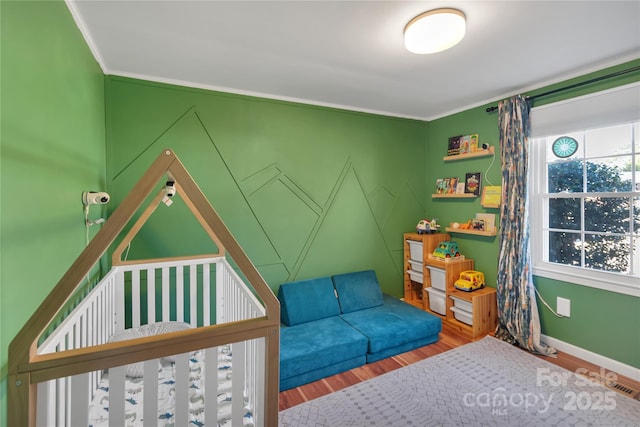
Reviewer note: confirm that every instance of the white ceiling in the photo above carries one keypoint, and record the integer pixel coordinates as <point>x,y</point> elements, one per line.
<point>350,54</point>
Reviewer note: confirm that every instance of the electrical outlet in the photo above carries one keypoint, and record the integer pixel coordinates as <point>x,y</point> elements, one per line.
<point>563,307</point>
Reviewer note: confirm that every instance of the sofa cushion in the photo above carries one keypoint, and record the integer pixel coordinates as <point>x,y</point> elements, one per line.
<point>317,374</point>
<point>393,324</point>
<point>357,291</point>
<point>307,300</point>
<point>316,345</point>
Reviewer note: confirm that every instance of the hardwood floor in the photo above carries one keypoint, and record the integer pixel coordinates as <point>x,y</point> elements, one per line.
<point>449,339</point>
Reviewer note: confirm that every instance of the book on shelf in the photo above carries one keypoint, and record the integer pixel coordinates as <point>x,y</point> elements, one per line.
<point>452,185</point>
<point>449,185</point>
<point>491,196</point>
<point>453,147</point>
<point>473,183</point>
<point>489,221</point>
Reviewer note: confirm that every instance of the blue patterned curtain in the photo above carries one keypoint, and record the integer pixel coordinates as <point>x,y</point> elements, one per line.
<point>517,308</point>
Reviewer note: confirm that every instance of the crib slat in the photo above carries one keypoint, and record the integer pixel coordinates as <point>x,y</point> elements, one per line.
<point>206,295</point>
<point>63,401</point>
<point>193,295</point>
<point>60,391</point>
<point>46,404</point>
<point>79,331</point>
<point>135,298</point>
<point>211,384</point>
<point>165,294</point>
<point>151,295</point>
<point>91,322</point>
<point>182,389</point>
<point>220,294</point>
<point>118,302</point>
<point>179,294</point>
<point>116,396</point>
<point>90,333</point>
<point>97,330</point>
<point>80,397</point>
<point>237,400</point>
<point>258,385</point>
<point>150,393</point>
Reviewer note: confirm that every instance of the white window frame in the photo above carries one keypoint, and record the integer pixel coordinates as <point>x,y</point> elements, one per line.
<point>609,281</point>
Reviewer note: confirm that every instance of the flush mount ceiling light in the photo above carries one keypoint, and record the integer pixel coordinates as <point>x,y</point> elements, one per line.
<point>434,31</point>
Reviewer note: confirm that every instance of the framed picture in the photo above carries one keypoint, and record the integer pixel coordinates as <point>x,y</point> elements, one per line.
<point>488,219</point>
<point>477,224</point>
<point>473,183</point>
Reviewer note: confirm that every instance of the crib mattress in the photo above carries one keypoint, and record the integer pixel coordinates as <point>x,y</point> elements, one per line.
<point>99,409</point>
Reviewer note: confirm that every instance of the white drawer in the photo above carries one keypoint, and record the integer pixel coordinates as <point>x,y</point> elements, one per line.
<point>416,276</point>
<point>415,249</point>
<point>438,278</point>
<point>437,301</point>
<point>462,315</point>
<point>462,304</point>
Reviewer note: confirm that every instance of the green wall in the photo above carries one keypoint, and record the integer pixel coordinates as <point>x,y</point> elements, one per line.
<point>307,191</point>
<point>600,321</point>
<point>52,142</point>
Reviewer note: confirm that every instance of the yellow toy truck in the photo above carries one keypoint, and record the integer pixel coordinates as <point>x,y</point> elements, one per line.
<point>470,280</point>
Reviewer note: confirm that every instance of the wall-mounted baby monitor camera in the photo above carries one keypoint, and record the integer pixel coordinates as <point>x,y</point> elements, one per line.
<point>170,189</point>
<point>169,192</point>
<point>95,198</point>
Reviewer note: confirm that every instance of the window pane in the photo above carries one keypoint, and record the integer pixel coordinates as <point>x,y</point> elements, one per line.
<point>565,177</point>
<point>564,214</point>
<point>607,214</point>
<point>608,253</point>
<point>564,248</point>
<point>607,141</point>
<point>605,175</point>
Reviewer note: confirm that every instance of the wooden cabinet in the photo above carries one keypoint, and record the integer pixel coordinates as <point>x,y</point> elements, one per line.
<point>479,308</point>
<point>422,272</point>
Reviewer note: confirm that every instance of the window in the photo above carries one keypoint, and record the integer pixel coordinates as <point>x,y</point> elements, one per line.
<point>585,204</point>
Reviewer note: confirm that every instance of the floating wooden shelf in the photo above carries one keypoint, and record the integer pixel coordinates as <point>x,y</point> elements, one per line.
<point>454,196</point>
<point>476,232</point>
<point>480,153</point>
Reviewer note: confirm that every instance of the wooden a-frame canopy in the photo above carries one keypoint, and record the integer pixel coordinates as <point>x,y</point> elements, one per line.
<point>27,368</point>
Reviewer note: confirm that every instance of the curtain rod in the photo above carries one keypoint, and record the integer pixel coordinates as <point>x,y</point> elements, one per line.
<point>586,82</point>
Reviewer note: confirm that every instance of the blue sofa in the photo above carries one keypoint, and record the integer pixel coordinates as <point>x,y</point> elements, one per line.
<point>333,324</point>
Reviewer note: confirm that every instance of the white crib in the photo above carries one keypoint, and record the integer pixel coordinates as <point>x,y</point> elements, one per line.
<point>56,382</point>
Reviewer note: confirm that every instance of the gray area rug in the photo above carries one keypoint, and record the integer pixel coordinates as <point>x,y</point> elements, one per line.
<point>485,383</point>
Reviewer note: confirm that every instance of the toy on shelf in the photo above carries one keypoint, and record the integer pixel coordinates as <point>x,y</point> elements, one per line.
<point>472,224</point>
<point>427,227</point>
<point>447,249</point>
<point>470,280</point>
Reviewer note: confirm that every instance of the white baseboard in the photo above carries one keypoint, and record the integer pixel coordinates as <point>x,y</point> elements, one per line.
<point>589,356</point>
